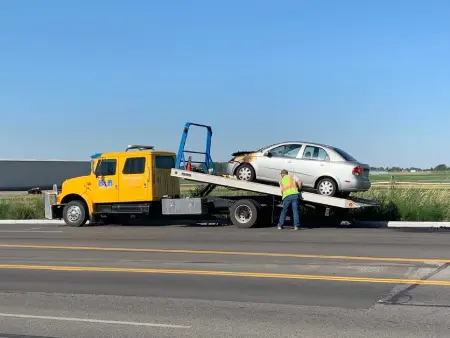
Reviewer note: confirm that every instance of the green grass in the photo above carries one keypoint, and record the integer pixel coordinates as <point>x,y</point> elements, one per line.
<point>22,207</point>
<point>407,205</point>
<point>420,177</point>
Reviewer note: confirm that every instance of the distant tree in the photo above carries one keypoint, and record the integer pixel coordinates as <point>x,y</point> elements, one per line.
<point>441,167</point>
<point>415,169</point>
<point>395,169</point>
<point>377,169</point>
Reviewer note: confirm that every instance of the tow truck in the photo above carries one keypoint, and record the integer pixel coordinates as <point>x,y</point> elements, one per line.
<point>142,182</point>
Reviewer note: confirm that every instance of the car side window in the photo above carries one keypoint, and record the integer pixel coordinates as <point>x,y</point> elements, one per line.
<point>286,150</point>
<point>106,168</point>
<point>315,153</point>
<point>134,165</point>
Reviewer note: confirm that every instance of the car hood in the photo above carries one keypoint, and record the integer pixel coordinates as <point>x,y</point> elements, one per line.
<point>243,152</point>
<point>244,156</point>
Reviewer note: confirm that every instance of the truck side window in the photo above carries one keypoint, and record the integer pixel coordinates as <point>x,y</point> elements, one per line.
<point>164,162</point>
<point>134,165</point>
<point>106,168</point>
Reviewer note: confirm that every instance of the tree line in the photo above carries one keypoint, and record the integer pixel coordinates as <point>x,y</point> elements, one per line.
<point>440,167</point>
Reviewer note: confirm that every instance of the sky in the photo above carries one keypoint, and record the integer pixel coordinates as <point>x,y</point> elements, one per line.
<point>370,77</point>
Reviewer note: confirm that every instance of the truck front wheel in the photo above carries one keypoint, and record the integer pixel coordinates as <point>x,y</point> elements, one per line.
<point>244,213</point>
<point>74,214</point>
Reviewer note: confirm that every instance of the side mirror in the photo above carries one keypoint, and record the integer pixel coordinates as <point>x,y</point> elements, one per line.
<point>268,154</point>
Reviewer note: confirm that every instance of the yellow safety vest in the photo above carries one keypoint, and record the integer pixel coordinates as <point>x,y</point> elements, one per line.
<point>288,186</point>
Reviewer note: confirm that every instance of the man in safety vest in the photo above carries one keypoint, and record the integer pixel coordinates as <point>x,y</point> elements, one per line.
<point>290,187</point>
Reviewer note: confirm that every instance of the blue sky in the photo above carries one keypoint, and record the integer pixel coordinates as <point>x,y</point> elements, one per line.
<point>371,77</point>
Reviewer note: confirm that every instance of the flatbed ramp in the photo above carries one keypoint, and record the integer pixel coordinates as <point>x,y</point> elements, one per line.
<point>349,203</point>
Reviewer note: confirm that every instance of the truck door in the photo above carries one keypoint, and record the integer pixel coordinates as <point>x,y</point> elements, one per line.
<point>105,189</point>
<point>134,179</point>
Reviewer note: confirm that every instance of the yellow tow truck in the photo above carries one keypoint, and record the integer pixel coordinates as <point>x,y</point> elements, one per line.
<point>143,182</point>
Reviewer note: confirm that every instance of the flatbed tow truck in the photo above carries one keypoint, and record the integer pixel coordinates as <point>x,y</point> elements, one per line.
<point>146,184</point>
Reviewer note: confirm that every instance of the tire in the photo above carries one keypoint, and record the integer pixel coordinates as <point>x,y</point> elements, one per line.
<point>244,214</point>
<point>245,172</point>
<point>74,214</point>
<point>327,187</point>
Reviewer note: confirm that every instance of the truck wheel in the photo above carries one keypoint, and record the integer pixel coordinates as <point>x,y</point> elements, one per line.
<point>74,214</point>
<point>244,213</point>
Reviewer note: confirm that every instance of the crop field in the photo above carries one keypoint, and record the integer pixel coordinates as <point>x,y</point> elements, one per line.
<point>420,177</point>
<point>422,180</point>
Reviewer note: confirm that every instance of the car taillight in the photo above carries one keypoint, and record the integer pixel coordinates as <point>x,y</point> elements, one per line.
<point>357,170</point>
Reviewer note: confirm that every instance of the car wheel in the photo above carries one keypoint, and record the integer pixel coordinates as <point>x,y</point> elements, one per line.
<point>327,187</point>
<point>245,172</point>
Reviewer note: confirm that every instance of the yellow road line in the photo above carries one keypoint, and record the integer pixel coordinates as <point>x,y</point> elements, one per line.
<point>235,253</point>
<point>226,273</point>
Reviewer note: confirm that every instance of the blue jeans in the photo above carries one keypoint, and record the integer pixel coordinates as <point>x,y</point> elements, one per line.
<point>290,200</point>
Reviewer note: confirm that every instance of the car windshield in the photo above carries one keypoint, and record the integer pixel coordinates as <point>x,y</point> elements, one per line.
<point>263,148</point>
<point>345,155</point>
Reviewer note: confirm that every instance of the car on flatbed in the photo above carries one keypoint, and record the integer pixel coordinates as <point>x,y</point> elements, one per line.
<point>327,170</point>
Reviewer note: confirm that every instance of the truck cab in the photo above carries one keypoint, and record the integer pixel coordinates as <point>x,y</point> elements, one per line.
<point>129,182</point>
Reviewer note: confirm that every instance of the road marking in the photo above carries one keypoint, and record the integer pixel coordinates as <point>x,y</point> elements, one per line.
<point>101,321</point>
<point>235,253</point>
<point>226,273</point>
<point>31,231</point>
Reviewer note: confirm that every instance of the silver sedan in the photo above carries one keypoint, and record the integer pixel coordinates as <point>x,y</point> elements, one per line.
<point>328,170</point>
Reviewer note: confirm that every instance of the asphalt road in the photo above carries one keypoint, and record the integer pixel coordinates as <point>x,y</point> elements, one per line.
<point>205,281</point>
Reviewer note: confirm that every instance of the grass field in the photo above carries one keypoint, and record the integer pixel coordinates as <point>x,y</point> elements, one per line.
<point>22,207</point>
<point>421,177</point>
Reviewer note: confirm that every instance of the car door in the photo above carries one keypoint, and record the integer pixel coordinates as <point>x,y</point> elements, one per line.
<point>134,179</point>
<point>106,188</point>
<point>278,158</point>
<point>313,162</point>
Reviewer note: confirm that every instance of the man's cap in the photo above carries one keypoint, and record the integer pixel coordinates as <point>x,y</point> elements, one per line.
<point>284,172</point>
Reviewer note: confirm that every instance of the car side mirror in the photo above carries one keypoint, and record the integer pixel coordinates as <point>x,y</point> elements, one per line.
<point>268,154</point>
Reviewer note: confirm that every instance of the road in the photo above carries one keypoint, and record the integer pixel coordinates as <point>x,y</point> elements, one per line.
<point>213,281</point>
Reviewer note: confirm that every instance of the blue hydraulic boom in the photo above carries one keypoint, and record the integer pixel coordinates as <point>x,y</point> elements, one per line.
<point>207,164</point>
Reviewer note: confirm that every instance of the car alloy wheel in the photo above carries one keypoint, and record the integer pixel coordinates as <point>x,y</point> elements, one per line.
<point>244,174</point>
<point>326,188</point>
